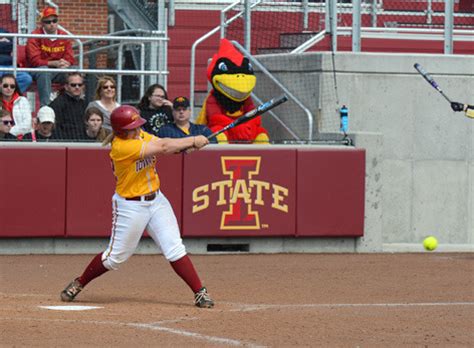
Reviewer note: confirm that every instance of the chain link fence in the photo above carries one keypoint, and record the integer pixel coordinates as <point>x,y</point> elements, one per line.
<point>18,16</point>
<point>284,26</point>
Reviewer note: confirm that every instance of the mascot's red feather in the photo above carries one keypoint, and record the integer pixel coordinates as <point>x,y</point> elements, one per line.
<point>232,79</point>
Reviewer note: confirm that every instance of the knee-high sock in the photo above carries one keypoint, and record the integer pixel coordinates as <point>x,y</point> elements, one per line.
<point>185,269</point>
<point>93,270</point>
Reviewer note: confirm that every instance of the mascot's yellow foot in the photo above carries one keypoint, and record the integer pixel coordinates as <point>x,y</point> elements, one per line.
<point>222,139</point>
<point>262,138</point>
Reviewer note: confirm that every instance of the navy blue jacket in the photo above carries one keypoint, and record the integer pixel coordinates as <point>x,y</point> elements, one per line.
<point>173,131</point>
<point>5,50</point>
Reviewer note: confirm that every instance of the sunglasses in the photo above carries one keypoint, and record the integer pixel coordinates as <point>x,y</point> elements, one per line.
<point>108,87</point>
<point>7,85</point>
<point>76,85</point>
<point>6,123</point>
<point>50,21</point>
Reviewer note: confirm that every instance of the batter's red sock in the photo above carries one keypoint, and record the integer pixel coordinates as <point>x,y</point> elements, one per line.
<point>185,269</point>
<point>93,270</point>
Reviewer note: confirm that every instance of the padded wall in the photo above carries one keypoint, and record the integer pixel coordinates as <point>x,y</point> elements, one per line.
<point>228,192</point>
<point>33,192</point>
<point>237,193</point>
<point>331,193</point>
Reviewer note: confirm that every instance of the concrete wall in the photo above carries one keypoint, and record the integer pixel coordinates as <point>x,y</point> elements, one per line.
<point>427,175</point>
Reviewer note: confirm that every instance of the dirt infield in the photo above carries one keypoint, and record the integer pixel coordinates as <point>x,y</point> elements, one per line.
<point>319,300</point>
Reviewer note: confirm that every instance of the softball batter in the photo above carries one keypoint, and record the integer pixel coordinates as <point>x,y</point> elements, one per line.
<point>138,204</point>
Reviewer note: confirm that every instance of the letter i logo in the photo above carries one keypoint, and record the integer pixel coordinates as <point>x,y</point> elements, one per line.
<point>240,214</point>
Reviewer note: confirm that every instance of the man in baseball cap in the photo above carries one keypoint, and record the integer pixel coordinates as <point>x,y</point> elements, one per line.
<point>49,53</point>
<point>181,102</point>
<point>48,12</point>
<point>182,126</point>
<point>45,130</point>
<point>46,114</point>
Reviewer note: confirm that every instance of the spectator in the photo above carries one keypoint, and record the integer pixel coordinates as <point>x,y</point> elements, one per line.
<point>48,53</point>
<point>6,124</point>
<point>94,119</point>
<point>45,131</point>
<point>105,98</point>
<point>6,47</point>
<point>18,106</point>
<point>182,127</point>
<point>155,108</point>
<point>69,108</point>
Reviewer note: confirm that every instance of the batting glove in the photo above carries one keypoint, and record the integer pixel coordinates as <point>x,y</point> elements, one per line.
<point>457,106</point>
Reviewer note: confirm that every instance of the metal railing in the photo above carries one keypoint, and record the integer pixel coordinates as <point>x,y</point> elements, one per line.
<point>375,10</point>
<point>224,23</point>
<point>122,41</point>
<point>290,95</point>
<point>222,29</point>
<point>79,43</point>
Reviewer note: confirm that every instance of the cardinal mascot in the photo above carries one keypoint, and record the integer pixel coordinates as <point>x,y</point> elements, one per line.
<point>232,79</point>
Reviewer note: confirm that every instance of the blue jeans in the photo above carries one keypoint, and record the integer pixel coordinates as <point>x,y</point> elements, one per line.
<point>23,78</point>
<point>43,83</point>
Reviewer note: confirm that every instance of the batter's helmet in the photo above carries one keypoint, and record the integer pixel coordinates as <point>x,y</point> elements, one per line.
<point>125,117</point>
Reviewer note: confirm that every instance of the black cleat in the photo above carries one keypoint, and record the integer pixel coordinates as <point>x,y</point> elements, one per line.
<point>202,299</point>
<point>71,291</point>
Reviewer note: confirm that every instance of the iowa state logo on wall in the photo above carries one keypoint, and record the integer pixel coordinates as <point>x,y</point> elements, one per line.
<point>239,192</point>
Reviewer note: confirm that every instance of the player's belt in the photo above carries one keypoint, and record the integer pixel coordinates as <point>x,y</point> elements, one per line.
<point>148,197</point>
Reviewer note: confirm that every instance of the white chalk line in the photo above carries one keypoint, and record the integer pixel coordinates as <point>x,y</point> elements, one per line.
<point>257,307</point>
<point>151,326</point>
<point>3,294</point>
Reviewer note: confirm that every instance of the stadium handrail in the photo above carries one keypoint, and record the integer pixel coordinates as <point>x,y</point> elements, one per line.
<point>290,95</point>
<point>122,40</point>
<point>221,27</point>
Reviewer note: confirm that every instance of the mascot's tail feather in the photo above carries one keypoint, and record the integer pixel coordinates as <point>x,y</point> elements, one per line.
<point>262,138</point>
<point>202,118</point>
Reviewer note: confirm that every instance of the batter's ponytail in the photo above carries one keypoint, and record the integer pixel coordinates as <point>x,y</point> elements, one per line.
<point>108,139</point>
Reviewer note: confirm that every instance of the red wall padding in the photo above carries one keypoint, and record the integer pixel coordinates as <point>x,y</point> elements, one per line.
<point>51,192</point>
<point>91,185</point>
<point>237,210</point>
<point>331,187</point>
<point>33,192</point>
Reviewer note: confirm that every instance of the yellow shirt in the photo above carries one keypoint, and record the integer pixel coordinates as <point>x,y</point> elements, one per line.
<point>185,130</point>
<point>470,111</point>
<point>135,175</point>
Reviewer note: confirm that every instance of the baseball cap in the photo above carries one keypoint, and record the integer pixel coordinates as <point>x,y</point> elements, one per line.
<point>181,102</point>
<point>48,12</point>
<point>46,114</point>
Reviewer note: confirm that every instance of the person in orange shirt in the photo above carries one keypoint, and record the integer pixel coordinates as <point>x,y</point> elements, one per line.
<point>49,53</point>
<point>139,204</point>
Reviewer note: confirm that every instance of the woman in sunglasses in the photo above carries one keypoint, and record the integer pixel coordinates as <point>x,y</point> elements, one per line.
<point>19,107</point>
<point>6,124</point>
<point>105,98</point>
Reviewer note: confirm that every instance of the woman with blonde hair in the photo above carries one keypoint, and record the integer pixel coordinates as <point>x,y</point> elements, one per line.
<point>94,120</point>
<point>105,99</point>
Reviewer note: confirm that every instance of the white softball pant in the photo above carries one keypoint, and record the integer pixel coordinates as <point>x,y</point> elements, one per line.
<point>131,218</point>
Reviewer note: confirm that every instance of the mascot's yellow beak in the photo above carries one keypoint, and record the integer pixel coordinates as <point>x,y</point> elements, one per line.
<point>236,87</point>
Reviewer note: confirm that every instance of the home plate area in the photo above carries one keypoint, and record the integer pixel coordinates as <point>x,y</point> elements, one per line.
<point>261,300</point>
<point>69,308</point>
